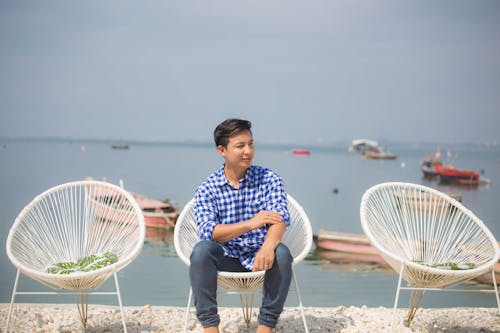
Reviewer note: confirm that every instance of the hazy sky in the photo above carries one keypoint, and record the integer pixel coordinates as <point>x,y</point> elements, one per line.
<point>302,71</point>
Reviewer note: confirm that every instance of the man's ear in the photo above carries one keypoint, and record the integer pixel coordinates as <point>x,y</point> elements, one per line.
<point>221,149</point>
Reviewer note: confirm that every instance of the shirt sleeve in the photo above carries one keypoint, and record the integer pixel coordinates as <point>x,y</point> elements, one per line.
<point>205,211</point>
<point>278,199</point>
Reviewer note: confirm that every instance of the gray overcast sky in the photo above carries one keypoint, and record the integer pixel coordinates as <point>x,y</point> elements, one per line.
<point>302,71</point>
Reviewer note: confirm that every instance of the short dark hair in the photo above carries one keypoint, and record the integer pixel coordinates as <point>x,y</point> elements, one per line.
<point>228,128</point>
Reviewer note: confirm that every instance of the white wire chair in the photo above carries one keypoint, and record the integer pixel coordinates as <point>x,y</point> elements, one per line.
<point>432,240</point>
<point>298,238</point>
<point>73,221</point>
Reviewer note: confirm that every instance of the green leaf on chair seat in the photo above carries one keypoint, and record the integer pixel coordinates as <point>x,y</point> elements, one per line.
<point>448,265</point>
<point>85,264</point>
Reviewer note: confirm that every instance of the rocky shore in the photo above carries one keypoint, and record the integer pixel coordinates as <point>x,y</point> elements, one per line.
<point>65,318</point>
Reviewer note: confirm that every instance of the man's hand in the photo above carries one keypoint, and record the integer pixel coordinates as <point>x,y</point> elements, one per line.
<point>264,258</point>
<point>264,217</point>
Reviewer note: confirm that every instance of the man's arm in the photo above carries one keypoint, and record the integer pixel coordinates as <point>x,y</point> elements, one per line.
<point>264,258</point>
<point>225,232</point>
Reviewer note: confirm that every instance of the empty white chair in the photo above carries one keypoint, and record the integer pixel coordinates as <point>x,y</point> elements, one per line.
<point>298,238</point>
<point>429,238</point>
<point>74,237</point>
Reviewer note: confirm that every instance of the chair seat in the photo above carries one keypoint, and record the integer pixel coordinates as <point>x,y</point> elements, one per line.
<point>241,281</point>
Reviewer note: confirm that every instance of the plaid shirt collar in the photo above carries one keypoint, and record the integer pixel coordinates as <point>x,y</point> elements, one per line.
<point>221,179</point>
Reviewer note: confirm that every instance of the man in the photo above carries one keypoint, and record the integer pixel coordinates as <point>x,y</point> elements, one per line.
<point>241,214</point>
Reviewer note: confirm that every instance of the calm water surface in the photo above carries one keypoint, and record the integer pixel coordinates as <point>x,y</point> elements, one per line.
<point>173,171</point>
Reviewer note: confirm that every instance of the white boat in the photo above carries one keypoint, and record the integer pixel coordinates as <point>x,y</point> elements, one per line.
<point>379,154</point>
<point>362,145</point>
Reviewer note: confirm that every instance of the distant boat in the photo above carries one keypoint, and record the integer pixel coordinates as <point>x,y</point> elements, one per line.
<point>301,152</point>
<point>362,145</point>
<point>379,154</point>
<point>428,164</point>
<point>371,150</point>
<point>119,146</point>
<point>432,167</point>
<point>428,167</point>
<point>450,174</point>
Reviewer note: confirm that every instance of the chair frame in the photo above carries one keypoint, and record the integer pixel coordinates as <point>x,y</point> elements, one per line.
<point>246,283</point>
<point>78,283</point>
<point>416,201</point>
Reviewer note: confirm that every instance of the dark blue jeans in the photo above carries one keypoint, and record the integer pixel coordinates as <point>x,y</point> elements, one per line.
<point>208,258</point>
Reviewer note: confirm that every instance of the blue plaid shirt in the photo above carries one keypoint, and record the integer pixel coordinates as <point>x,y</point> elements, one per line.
<point>218,202</point>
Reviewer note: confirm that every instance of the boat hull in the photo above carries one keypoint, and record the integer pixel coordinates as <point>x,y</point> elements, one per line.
<point>449,174</point>
<point>160,220</point>
<point>341,246</point>
<point>371,155</point>
<point>351,258</point>
<point>428,167</point>
<point>488,278</point>
<point>157,214</point>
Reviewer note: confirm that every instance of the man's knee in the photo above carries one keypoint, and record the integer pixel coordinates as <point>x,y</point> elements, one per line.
<point>283,255</point>
<point>203,250</point>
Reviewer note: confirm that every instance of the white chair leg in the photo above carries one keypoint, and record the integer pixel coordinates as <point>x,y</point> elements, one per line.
<point>396,300</point>
<point>494,280</point>
<point>186,315</point>
<point>301,307</point>
<point>14,291</point>
<point>120,302</point>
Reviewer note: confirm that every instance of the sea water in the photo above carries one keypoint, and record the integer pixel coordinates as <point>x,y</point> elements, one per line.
<point>329,184</point>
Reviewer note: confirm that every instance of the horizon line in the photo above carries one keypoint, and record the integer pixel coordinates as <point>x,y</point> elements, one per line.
<point>323,143</point>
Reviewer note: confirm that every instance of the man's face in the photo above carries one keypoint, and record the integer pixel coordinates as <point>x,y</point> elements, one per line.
<point>239,151</point>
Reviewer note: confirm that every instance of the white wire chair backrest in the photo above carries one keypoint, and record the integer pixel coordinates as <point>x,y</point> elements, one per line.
<point>298,236</point>
<point>71,221</point>
<point>416,224</point>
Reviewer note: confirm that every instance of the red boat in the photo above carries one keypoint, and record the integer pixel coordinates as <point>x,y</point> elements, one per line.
<point>158,214</point>
<point>300,152</point>
<point>449,174</point>
<point>428,164</point>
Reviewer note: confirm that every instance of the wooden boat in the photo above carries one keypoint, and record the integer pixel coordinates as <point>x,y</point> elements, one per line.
<point>157,214</point>
<point>347,243</point>
<point>487,278</point>
<point>301,152</point>
<point>349,247</point>
<point>350,258</point>
<point>424,201</point>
